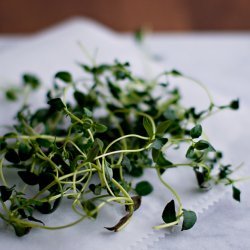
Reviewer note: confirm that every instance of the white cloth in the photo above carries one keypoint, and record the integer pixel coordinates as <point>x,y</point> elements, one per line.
<point>57,49</point>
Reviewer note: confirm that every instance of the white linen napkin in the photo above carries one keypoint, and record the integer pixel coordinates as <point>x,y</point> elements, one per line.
<point>57,49</point>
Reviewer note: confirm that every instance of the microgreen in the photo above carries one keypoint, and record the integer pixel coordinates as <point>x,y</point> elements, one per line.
<point>65,151</point>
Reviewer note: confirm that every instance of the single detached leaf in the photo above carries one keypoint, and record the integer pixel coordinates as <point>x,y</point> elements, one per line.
<point>121,223</point>
<point>196,131</point>
<point>169,214</point>
<point>11,95</point>
<point>31,80</point>
<point>28,177</point>
<point>12,156</point>
<point>148,126</point>
<point>64,76</point>
<point>189,219</point>
<point>56,104</point>
<point>236,193</point>
<point>143,188</point>
<point>235,104</point>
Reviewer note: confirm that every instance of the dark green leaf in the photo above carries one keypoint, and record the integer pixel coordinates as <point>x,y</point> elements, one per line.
<point>159,158</point>
<point>21,230</point>
<point>46,208</point>
<point>56,104</point>
<point>11,95</point>
<point>175,72</point>
<point>24,152</point>
<point>169,214</point>
<point>31,218</point>
<point>190,153</point>
<point>189,219</point>
<point>159,143</point>
<point>196,131</point>
<point>5,193</point>
<point>89,208</point>
<point>28,177</point>
<point>64,76</point>
<point>31,80</point>
<point>12,156</point>
<point>3,145</point>
<point>148,126</point>
<point>143,188</point>
<point>235,104</point>
<point>43,142</point>
<point>96,189</point>
<point>236,193</point>
<point>202,144</point>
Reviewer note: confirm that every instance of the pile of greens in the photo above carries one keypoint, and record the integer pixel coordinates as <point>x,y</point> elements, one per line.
<point>89,150</point>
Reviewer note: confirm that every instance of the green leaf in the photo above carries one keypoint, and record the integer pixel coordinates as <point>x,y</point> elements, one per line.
<point>169,214</point>
<point>3,144</point>
<point>108,171</point>
<point>93,152</point>
<point>159,143</point>
<point>236,193</point>
<point>24,152</point>
<point>189,219</point>
<point>100,128</point>
<point>5,193</point>
<point>43,142</point>
<point>190,153</point>
<point>31,80</point>
<point>56,104</point>
<point>12,156</point>
<point>46,208</point>
<point>235,104</point>
<point>202,144</point>
<point>88,207</point>
<point>64,76</point>
<point>11,95</point>
<point>148,126</point>
<point>143,188</point>
<point>28,177</point>
<point>163,127</point>
<point>114,90</point>
<point>196,131</point>
<point>159,158</point>
<point>20,230</point>
<point>175,72</point>
<point>96,189</point>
